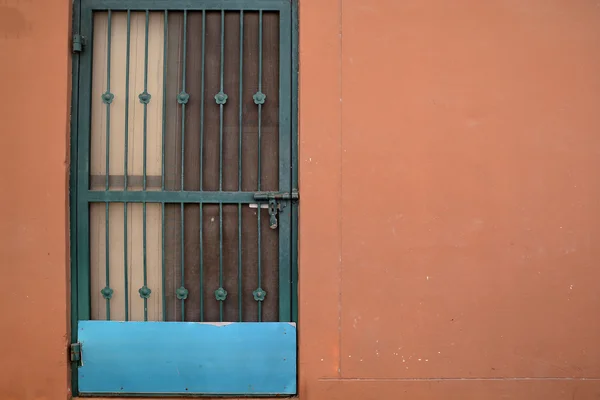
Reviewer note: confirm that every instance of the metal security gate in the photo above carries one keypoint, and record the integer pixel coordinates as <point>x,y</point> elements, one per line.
<point>185,200</point>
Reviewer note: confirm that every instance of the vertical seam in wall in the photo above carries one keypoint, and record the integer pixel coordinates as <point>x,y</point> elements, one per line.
<point>340,201</point>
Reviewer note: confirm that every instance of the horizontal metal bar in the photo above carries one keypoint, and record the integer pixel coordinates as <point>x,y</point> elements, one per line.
<point>236,5</point>
<point>168,197</point>
<point>118,181</point>
<point>265,196</point>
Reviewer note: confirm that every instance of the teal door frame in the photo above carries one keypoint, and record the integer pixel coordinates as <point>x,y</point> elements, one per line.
<point>81,197</point>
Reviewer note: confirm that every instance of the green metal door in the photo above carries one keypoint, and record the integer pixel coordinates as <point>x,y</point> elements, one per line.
<point>184,197</point>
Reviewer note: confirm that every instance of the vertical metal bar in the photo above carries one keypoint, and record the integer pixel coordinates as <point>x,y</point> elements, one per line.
<point>108,99</point>
<point>127,57</point>
<point>126,262</point>
<point>240,117</point>
<point>184,61</point>
<point>183,90</point>
<point>107,260</point>
<point>125,165</point>
<point>201,265</point>
<point>182,262</point>
<point>285,262</point>
<point>164,108</point>
<point>73,206</point>
<point>221,258</point>
<point>285,165</point>
<point>202,166</point>
<point>221,104</point>
<point>202,104</point>
<point>259,247</point>
<point>145,103</point>
<point>83,172</point>
<point>294,155</point>
<point>241,113</point>
<point>107,267</point>
<point>162,243</point>
<point>240,287</point>
<point>260,55</point>
<point>162,170</point>
<point>294,262</point>
<point>145,264</point>
<point>107,154</point>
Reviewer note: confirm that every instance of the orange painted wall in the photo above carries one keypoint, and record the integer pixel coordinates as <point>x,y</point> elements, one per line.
<point>35,91</point>
<point>449,181</point>
<point>449,199</point>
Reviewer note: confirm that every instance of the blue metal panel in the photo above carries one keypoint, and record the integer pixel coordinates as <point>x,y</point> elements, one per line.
<point>187,358</point>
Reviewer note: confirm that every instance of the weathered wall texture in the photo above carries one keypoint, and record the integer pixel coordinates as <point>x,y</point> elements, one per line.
<point>449,214</point>
<point>35,74</point>
<point>449,181</point>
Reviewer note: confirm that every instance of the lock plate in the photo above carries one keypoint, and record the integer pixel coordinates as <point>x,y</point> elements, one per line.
<point>276,201</point>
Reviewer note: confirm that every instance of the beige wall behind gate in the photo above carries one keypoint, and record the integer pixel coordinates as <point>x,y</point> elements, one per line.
<point>449,199</point>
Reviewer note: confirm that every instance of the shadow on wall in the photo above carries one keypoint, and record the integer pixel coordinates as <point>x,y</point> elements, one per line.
<point>13,24</point>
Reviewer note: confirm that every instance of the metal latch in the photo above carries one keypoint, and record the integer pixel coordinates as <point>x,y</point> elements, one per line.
<point>76,352</point>
<point>274,200</point>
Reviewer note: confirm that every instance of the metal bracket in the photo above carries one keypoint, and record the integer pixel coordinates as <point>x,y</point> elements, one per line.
<point>76,352</point>
<point>78,43</point>
<point>275,200</point>
<point>274,208</point>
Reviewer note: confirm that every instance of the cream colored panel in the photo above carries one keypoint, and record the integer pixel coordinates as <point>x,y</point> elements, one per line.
<point>154,117</point>
<point>116,109</point>
<point>153,261</point>
<point>156,35</point>
<point>116,256</point>
<point>118,62</point>
<point>116,304</point>
<point>136,109</point>
<point>97,260</point>
<point>154,253</point>
<point>135,124</point>
<point>135,261</point>
<point>153,160</point>
<point>98,123</point>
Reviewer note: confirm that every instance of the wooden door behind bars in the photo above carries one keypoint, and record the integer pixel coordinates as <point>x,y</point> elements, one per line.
<point>189,255</point>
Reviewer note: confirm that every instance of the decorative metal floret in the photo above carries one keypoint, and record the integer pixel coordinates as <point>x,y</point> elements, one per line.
<point>259,98</point>
<point>221,294</point>
<point>144,97</point>
<point>259,294</point>
<point>183,97</point>
<point>182,293</point>
<point>107,293</point>
<point>221,98</point>
<point>145,292</point>
<point>107,97</point>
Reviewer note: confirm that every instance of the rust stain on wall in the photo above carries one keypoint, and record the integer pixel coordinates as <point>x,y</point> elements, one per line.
<point>13,23</point>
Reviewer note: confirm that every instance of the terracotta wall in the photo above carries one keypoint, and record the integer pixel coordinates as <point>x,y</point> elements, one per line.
<point>449,212</point>
<point>35,90</point>
<point>449,182</point>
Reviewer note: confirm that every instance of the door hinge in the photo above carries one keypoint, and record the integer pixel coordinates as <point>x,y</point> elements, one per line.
<point>76,352</point>
<point>78,43</point>
<point>275,203</point>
